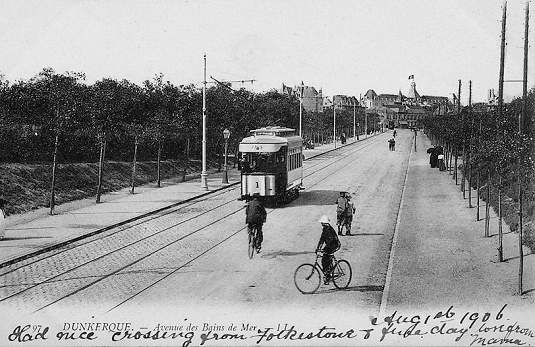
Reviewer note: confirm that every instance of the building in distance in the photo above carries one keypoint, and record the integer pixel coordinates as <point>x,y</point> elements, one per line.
<point>399,110</point>
<point>312,98</point>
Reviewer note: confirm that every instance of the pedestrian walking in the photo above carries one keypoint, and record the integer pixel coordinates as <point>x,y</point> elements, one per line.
<point>441,165</point>
<point>392,144</point>
<point>2,218</point>
<point>349,214</point>
<point>433,156</point>
<point>341,209</point>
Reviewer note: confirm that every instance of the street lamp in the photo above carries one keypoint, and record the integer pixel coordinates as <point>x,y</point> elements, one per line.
<point>301,108</point>
<point>366,124</point>
<point>226,135</point>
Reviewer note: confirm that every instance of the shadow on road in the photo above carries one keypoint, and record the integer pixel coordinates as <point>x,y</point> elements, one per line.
<point>364,234</point>
<point>369,288</point>
<point>25,238</point>
<point>318,198</point>
<point>284,254</point>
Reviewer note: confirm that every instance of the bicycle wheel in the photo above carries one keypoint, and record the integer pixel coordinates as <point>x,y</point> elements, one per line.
<point>342,274</point>
<point>307,278</point>
<point>252,243</point>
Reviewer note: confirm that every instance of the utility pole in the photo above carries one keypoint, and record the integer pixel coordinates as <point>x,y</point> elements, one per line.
<point>301,109</point>
<point>204,182</point>
<point>469,156</point>
<point>204,174</point>
<point>354,121</point>
<point>502,61</point>
<point>334,123</point>
<point>463,134</point>
<point>500,117</point>
<point>521,121</point>
<point>459,98</point>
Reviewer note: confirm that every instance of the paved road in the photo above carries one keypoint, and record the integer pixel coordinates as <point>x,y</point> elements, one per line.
<point>195,254</point>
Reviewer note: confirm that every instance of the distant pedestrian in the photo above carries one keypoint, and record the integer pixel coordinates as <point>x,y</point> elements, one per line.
<point>395,133</point>
<point>441,165</point>
<point>392,144</point>
<point>2,218</point>
<point>433,156</point>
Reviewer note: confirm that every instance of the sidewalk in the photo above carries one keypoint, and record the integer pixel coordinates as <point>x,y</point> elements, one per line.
<point>441,256</point>
<point>36,231</point>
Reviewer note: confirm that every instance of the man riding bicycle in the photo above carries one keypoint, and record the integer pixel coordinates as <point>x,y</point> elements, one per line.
<point>255,216</point>
<point>332,244</point>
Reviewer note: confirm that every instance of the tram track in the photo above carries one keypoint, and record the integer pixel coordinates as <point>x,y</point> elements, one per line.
<point>125,227</point>
<point>225,239</point>
<point>112,273</point>
<point>98,237</point>
<point>59,246</point>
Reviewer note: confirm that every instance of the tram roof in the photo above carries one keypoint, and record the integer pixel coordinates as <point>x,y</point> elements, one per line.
<point>274,131</point>
<point>264,142</point>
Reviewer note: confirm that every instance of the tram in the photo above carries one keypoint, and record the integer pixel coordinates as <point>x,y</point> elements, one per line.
<point>271,163</point>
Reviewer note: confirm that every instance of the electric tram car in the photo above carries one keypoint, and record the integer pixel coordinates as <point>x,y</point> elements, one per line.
<point>271,163</point>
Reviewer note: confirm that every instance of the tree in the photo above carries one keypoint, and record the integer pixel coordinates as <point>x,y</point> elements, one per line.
<point>60,98</point>
<point>109,102</point>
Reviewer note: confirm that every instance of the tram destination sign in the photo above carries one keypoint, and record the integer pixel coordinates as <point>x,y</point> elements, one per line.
<point>260,147</point>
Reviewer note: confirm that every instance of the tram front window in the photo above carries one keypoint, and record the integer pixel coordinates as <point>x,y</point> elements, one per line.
<point>269,162</point>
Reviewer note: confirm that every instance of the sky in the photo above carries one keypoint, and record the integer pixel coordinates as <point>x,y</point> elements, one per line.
<point>343,47</point>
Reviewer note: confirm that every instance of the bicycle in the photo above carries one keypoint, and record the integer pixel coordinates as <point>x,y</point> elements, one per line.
<point>307,277</point>
<point>253,233</point>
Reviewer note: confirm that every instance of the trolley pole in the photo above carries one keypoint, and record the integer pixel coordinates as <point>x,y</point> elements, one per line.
<point>204,183</point>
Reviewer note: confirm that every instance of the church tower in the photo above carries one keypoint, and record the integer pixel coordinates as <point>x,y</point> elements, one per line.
<point>413,93</point>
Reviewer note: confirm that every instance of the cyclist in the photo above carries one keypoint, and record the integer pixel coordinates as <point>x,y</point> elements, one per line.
<point>255,216</point>
<point>332,244</point>
<point>341,210</point>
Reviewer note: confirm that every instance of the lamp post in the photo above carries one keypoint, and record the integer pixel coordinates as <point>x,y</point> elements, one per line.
<point>226,135</point>
<point>366,124</point>
<point>204,183</point>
